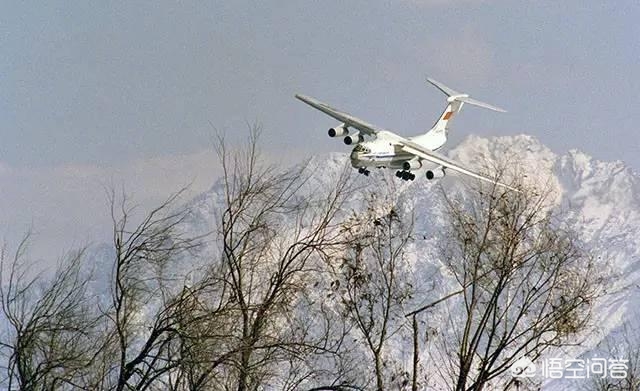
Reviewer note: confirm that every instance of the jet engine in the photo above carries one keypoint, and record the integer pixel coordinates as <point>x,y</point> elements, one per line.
<point>354,138</point>
<point>339,131</point>
<point>413,164</point>
<point>436,173</point>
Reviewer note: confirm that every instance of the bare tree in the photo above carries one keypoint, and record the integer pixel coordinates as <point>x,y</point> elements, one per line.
<point>525,283</point>
<point>50,337</point>
<point>146,304</point>
<point>624,346</point>
<point>373,285</point>
<point>273,231</point>
<point>240,322</point>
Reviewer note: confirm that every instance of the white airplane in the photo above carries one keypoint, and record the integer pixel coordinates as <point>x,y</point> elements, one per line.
<point>389,150</point>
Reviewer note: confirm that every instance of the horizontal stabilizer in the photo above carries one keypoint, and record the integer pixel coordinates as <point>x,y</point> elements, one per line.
<point>446,90</point>
<point>460,97</point>
<point>475,102</point>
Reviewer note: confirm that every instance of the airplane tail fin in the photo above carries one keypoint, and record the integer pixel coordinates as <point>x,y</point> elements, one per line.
<point>455,101</point>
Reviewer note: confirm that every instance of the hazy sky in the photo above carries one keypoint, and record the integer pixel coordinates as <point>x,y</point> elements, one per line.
<point>125,92</point>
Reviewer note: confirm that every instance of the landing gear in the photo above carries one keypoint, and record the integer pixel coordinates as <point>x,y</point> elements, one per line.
<point>405,175</point>
<point>364,171</point>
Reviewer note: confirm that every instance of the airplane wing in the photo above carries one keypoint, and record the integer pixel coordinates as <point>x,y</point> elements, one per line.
<point>445,162</point>
<point>343,117</point>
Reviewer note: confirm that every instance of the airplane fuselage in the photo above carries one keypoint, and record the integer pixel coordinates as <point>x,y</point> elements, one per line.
<point>379,158</point>
<point>382,152</point>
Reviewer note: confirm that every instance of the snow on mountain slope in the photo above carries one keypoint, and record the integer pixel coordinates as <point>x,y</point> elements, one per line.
<point>601,201</point>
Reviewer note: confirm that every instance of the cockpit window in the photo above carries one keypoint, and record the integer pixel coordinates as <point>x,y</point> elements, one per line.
<point>361,149</point>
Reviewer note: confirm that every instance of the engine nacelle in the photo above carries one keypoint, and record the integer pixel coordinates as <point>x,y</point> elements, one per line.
<point>413,164</point>
<point>339,131</point>
<point>436,173</point>
<point>354,138</point>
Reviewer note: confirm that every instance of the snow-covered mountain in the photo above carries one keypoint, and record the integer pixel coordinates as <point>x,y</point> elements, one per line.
<point>600,199</point>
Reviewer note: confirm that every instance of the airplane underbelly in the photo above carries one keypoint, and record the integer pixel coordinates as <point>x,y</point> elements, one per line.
<point>389,161</point>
